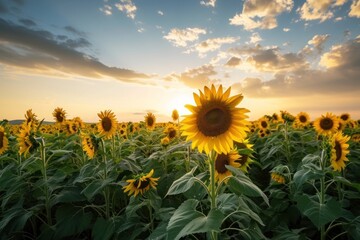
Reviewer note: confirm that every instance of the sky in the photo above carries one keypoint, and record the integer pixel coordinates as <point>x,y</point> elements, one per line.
<point>140,56</point>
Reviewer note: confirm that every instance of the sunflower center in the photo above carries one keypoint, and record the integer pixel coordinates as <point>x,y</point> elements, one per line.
<point>59,117</point>
<point>264,124</point>
<point>344,117</point>
<point>106,124</point>
<point>302,119</point>
<point>243,159</point>
<point>143,184</point>
<point>172,133</point>
<point>326,123</point>
<point>221,161</point>
<point>338,151</point>
<point>150,121</point>
<point>1,139</point>
<point>214,120</point>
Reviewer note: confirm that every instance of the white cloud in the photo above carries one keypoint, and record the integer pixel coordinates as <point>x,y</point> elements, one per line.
<point>107,10</point>
<point>208,3</point>
<point>255,38</point>
<point>319,9</point>
<point>160,13</point>
<point>128,7</point>
<point>318,41</point>
<point>181,37</point>
<point>212,44</point>
<point>286,29</point>
<point>261,13</point>
<point>355,9</point>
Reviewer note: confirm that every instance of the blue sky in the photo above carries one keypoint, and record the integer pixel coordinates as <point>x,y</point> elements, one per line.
<point>139,56</point>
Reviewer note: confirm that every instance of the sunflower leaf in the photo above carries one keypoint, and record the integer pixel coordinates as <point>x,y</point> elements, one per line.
<point>182,184</point>
<point>242,184</point>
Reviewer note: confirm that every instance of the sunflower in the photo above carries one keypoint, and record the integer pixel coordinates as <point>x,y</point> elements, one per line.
<point>30,119</point>
<point>26,140</point>
<point>345,117</point>
<point>150,121</point>
<point>355,137</point>
<point>170,131</point>
<point>302,119</point>
<point>263,123</point>
<point>59,115</point>
<point>339,151</point>
<point>276,118</point>
<point>89,144</point>
<point>278,178</point>
<point>141,184</point>
<point>4,142</point>
<point>107,124</point>
<point>287,116</point>
<point>326,125</point>
<point>222,160</point>
<point>165,141</point>
<point>245,151</point>
<point>175,115</point>
<point>215,121</point>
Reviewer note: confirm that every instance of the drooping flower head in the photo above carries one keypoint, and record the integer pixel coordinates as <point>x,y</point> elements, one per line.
<point>26,140</point>
<point>245,151</point>
<point>222,160</point>
<point>326,124</point>
<point>215,122</point>
<point>89,144</point>
<point>175,115</point>
<point>339,150</point>
<point>107,124</point>
<point>141,184</point>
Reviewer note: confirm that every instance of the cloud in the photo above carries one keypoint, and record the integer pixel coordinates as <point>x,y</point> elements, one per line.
<point>181,37</point>
<point>319,9</point>
<point>355,9</point>
<point>128,7</point>
<point>39,51</point>
<point>27,22</point>
<point>269,59</point>
<point>318,41</point>
<point>73,30</point>
<point>233,62</point>
<point>286,29</point>
<point>341,75</point>
<point>196,77</point>
<point>208,3</point>
<point>160,13</point>
<point>212,44</point>
<point>261,13</point>
<point>107,10</point>
<point>255,38</point>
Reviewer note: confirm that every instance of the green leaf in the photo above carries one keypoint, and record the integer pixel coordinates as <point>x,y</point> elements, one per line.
<point>186,220</point>
<point>304,175</point>
<point>182,184</point>
<point>242,184</point>
<point>319,214</point>
<point>95,187</point>
<point>103,229</point>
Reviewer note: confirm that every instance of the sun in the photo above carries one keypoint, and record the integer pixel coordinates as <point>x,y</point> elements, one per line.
<point>178,101</point>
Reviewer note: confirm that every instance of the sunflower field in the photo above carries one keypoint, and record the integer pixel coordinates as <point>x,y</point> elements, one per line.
<point>213,175</point>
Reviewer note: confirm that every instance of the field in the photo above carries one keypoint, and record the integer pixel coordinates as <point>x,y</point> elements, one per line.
<point>283,177</point>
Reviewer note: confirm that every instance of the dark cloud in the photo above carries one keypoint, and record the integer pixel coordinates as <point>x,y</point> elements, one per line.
<point>233,62</point>
<point>73,30</point>
<point>342,75</point>
<point>38,49</point>
<point>27,22</point>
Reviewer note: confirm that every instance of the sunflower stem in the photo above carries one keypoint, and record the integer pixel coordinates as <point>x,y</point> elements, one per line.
<point>46,189</point>
<point>212,158</point>
<point>322,191</point>
<point>106,190</point>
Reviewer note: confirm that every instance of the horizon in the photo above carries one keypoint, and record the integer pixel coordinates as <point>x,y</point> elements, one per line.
<point>135,57</point>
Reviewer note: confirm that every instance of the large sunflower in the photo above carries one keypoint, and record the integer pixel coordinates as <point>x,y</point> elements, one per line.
<point>4,142</point>
<point>215,121</point>
<point>302,119</point>
<point>141,184</point>
<point>150,121</point>
<point>171,131</point>
<point>326,125</point>
<point>339,151</point>
<point>222,160</point>
<point>59,115</point>
<point>107,124</point>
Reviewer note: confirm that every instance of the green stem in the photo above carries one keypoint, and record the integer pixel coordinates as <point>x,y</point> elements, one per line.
<point>322,191</point>
<point>46,189</point>
<point>106,190</point>
<point>212,159</point>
